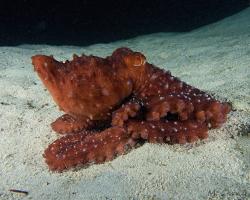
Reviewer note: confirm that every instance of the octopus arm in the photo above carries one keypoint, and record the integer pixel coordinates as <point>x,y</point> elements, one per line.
<point>213,113</point>
<point>121,115</point>
<point>171,132</point>
<point>68,124</point>
<point>189,106</point>
<point>168,94</point>
<point>85,147</point>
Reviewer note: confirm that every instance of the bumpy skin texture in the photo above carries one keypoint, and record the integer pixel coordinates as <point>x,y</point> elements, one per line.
<point>87,147</point>
<point>115,102</point>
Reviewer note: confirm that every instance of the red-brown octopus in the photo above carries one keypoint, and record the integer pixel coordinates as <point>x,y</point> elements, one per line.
<point>114,103</point>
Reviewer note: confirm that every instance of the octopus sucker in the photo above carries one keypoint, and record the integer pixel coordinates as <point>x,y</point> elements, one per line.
<point>112,104</point>
<point>168,132</point>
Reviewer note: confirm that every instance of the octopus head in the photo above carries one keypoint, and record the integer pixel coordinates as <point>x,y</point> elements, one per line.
<point>46,68</point>
<point>50,72</point>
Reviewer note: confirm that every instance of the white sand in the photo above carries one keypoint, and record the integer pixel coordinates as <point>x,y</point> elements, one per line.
<point>215,58</point>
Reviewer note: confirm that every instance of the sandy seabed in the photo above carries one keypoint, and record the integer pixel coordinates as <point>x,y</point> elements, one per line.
<point>214,58</point>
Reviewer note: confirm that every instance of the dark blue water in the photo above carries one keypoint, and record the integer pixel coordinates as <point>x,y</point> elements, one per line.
<point>87,22</point>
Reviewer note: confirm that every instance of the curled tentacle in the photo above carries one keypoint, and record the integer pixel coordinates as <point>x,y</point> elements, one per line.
<point>165,94</point>
<point>168,131</point>
<point>122,114</point>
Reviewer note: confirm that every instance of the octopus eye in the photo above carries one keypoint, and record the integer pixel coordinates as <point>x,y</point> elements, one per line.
<point>139,59</point>
<point>136,60</point>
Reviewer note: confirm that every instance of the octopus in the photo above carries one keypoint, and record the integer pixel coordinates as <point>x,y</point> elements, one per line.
<point>117,103</point>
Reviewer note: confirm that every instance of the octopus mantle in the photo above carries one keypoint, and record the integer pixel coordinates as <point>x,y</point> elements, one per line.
<point>113,103</point>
